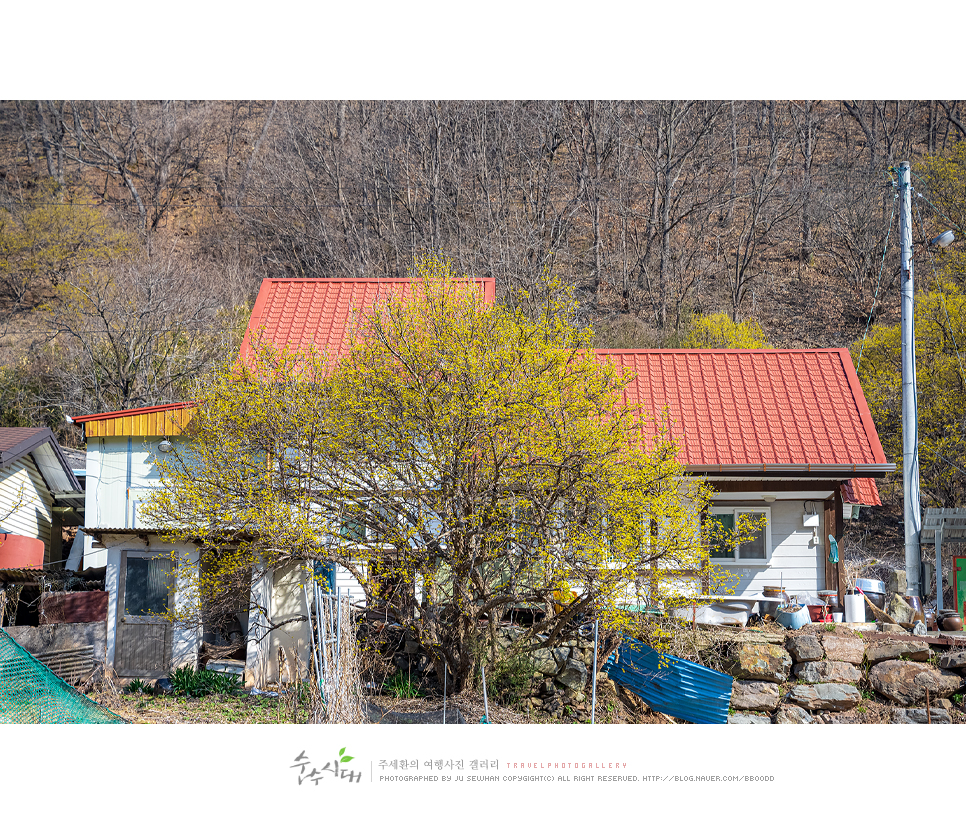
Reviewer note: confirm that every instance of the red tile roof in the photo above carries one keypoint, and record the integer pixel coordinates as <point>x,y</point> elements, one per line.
<point>861,491</point>
<point>761,410</point>
<point>320,312</point>
<point>765,409</point>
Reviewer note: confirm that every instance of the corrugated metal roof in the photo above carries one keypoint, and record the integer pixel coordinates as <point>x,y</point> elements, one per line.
<point>31,575</point>
<point>69,664</point>
<point>951,519</point>
<point>671,685</point>
<point>797,411</point>
<point>41,445</point>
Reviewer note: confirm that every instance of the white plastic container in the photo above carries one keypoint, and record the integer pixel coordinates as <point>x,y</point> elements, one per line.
<point>855,608</point>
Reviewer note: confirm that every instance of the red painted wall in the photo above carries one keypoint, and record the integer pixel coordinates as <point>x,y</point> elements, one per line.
<point>74,607</point>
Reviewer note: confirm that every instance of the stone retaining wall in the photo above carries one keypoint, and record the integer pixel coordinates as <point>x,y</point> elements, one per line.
<point>817,673</point>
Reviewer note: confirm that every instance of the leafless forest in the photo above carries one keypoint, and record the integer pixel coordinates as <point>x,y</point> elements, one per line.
<point>133,235</point>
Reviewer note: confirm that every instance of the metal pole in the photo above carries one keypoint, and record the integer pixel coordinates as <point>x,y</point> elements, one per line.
<point>323,628</point>
<point>593,696</point>
<point>308,613</point>
<point>338,632</point>
<point>912,517</point>
<point>486,705</point>
<point>939,566</point>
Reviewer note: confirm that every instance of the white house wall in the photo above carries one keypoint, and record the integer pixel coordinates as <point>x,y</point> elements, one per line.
<point>288,602</point>
<point>796,562</point>
<point>282,653</point>
<point>348,584</point>
<point>21,484</point>
<point>185,644</point>
<point>120,471</point>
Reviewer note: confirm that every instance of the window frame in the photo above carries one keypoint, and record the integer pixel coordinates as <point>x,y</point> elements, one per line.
<point>736,558</point>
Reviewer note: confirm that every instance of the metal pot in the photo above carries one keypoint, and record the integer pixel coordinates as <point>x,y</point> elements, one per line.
<point>875,590</point>
<point>777,599</point>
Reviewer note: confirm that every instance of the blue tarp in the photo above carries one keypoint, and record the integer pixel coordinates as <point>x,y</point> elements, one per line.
<point>668,684</point>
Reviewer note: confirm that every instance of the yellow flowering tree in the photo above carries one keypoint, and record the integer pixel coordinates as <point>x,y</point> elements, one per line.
<point>45,238</point>
<point>719,331</point>
<point>940,317</point>
<point>942,178</point>
<point>940,322</point>
<point>462,460</point>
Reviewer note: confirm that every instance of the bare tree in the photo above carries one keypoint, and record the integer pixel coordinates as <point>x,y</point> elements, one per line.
<point>154,150</point>
<point>138,333</point>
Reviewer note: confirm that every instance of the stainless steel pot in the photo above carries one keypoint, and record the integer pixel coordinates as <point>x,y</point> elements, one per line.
<point>875,590</point>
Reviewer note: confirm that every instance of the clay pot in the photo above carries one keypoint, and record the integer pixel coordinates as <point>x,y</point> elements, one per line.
<point>950,621</point>
<point>916,604</point>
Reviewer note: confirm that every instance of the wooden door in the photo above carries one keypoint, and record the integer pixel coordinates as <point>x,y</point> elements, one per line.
<point>143,635</point>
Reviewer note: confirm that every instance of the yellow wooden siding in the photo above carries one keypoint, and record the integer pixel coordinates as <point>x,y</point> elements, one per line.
<point>170,422</point>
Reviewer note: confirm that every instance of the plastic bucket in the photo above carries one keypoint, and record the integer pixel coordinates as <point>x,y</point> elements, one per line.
<point>855,608</point>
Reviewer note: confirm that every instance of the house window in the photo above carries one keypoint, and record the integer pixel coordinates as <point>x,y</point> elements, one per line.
<point>757,549</point>
<point>369,523</point>
<point>147,585</point>
<point>353,528</point>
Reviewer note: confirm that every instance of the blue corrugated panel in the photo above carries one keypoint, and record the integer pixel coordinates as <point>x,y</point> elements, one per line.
<point>668,684</point>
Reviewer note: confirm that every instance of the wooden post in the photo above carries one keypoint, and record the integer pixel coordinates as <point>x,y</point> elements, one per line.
<point>839,533</point>
<point>831,571</point>
<point>54,554</point>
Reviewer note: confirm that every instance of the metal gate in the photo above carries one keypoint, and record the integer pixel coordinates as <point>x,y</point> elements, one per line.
<point>334,659</point>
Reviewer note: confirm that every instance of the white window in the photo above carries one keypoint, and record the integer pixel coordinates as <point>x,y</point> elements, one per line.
<point>756,550</point>
<point>369,523</point>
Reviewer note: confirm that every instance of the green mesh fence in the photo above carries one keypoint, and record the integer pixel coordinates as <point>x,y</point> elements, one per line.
<point>32,693</point>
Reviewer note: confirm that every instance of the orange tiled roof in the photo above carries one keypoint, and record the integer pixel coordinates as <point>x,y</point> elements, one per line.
<point>767,410</point>
<point>320,312</point>
<point>861,491</point>
<point>758,408</point>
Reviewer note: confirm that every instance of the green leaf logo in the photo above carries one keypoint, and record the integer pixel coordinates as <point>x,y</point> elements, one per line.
<point>343,758</point>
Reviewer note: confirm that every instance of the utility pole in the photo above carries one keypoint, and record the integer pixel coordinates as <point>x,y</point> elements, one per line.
<point>912,515</point>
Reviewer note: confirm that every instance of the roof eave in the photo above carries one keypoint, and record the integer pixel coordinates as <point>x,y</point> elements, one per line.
<point>57,469</point>
<point>140,410</point>
<point>807,470</point>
